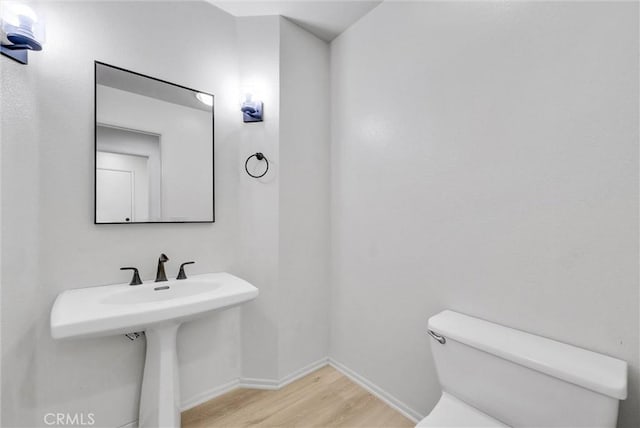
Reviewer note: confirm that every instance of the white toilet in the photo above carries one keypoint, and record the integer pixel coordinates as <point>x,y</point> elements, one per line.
<point>496,376</point>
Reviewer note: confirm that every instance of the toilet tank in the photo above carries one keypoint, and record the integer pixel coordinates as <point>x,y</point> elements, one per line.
<point>524,380</point>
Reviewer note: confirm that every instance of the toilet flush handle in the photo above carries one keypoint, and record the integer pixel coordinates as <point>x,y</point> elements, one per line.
<point>436,336</point>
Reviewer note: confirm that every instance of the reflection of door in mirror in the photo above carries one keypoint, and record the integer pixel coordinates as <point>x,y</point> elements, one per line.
<point>131,159</point>
<point>114,202</point>
<point>122,180</point>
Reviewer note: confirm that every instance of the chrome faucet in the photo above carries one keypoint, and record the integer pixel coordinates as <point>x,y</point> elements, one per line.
<point>160,275</point>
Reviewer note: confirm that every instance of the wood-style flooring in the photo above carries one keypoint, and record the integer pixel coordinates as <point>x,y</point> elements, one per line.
<point>324,398</point>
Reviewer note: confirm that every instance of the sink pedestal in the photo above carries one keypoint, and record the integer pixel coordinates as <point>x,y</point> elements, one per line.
<point>160,396</point>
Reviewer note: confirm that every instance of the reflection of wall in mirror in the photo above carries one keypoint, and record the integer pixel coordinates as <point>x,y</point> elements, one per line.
<point>186,147</point>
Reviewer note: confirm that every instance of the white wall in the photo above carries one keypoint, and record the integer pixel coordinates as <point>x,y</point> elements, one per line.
<point>304,198</point>
<point>484,159</point>
<point>19,144</point>
<point>258,46</point>
<point>284,215</point>
<point>49,241</point>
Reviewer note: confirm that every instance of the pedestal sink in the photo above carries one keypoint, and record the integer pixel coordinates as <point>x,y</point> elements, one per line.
<point>158,309</point>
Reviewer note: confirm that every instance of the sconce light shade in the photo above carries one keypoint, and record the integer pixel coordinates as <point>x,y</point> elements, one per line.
<point>251,110</point>
<point>20,31</point>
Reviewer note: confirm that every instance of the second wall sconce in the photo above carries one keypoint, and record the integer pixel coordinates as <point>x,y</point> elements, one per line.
<point>251,109</point>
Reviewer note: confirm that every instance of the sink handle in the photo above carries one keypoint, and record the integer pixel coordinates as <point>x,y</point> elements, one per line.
<point>181,274</point>
<point>136,277</point>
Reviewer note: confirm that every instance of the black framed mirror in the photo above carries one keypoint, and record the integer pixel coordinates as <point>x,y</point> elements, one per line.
<point>153,150</point>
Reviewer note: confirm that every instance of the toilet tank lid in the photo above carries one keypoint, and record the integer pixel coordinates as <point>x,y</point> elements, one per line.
<point>588,369</point>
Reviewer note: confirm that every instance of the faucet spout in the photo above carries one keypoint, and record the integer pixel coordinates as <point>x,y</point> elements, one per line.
<point>160,274</point>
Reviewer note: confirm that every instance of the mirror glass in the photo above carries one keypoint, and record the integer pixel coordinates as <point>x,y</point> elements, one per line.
<point>153,150</point>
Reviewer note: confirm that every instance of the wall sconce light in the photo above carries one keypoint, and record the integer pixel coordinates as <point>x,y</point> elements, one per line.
<point>20,30</point>
<point>251,109</point>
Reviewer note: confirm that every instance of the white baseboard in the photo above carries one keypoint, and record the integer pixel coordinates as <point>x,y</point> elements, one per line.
<point>246,382</point>
<point>208,395</point>
<point>256,383</point>
<point>377,391</point>
<point>302,372</point>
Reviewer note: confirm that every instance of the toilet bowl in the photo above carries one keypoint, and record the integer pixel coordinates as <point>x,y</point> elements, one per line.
<point>496,376</point>
<point>451,412</point>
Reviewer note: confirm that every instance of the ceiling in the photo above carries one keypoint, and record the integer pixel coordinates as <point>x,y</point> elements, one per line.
<point>326,19</point>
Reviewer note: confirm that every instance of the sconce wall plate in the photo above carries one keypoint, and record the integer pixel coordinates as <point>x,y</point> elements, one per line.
<point>19,55</point>
<point>251,111</point>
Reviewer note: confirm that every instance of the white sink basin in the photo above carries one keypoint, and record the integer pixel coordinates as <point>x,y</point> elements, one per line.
<point>158,308</point>
<point>121,308</point>
<point>159,292</point>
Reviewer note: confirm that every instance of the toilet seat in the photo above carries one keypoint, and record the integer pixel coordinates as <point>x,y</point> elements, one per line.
<point>451,412</point>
